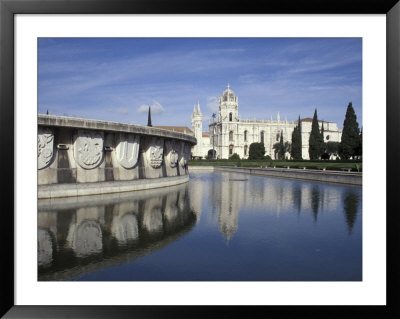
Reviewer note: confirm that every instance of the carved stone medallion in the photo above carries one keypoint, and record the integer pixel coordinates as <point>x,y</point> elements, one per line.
<point>45,147</point>
<point>88,239</point>
<point>88,149</point>
<point>185,155</point>
<point>155,153</point>
<point>128,150</point>
<point>173,156</point>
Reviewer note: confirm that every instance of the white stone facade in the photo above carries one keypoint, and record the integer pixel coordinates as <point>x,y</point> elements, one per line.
<point>228,134</point>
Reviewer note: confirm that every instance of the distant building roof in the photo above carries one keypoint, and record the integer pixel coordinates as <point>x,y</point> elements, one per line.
<point>309,119</point>
<point>205,134</point>
<point>181,129</point>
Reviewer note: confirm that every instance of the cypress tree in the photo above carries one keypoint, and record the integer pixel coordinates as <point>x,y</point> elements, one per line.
<point>359,148</point>
<point>316,142</point>
<point>149,118</point>
<point>350,135</point>
<point>323,139</point>
<point>296,142</point>
<point>281,151</point>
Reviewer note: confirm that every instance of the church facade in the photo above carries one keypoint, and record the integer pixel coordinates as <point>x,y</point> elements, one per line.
<point>228,134</point>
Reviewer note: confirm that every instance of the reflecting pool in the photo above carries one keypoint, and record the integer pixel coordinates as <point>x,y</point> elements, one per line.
<point>218,227</point>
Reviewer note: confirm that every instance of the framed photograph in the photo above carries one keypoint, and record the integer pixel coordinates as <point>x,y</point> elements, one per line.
<point>358,275</point>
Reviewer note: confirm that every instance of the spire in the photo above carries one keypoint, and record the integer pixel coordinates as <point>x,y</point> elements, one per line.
<point>278,117</point>
<point>149,118</point>
<point>198,107</point>
<point>194,108</point>
<point>228,86</point>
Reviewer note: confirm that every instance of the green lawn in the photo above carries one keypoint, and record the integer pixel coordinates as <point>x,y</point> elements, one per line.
<point>329,165</point>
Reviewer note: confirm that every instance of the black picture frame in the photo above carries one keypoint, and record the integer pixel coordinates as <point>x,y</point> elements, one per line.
<point>8,8</point>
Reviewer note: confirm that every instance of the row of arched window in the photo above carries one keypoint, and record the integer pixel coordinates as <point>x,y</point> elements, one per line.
<point>231,150</point>
<point>245,135</point>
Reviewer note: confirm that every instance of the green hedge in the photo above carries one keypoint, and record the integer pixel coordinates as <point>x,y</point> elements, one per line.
<point>329,165</point>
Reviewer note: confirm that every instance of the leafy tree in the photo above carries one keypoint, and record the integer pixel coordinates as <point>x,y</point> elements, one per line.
<point>281,148</point>
<point>332,148</point>
<point>276,147</point>
<point>296,142</point>
<point>350,135</point>
<point>316,142</point>
<point>235,157</point>
<point>287,147</point>
<point>256,151</point>
<point>281,151</point>
<point>358,150</point>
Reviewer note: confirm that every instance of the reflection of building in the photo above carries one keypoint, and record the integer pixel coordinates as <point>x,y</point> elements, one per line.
<point>271,196</point>
<point>94,234</point>
<point>229,207</point>
<point>196,196</point>
<point>229,134</point>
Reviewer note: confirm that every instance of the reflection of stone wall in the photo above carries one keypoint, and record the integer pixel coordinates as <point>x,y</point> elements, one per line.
<point>89,231</point>
<point>86,151</point>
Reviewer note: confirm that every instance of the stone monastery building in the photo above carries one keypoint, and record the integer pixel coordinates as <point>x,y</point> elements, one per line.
<point>228,134</point>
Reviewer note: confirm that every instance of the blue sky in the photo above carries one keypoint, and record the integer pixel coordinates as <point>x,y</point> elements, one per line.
<point>116,79</point>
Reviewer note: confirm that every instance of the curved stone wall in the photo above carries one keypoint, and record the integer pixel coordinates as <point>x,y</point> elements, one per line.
<point>79,151</point>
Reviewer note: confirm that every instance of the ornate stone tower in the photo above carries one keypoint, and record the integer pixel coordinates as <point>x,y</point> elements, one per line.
<point>197,127</point>
<point>229,136</point>
<point>228,106</point>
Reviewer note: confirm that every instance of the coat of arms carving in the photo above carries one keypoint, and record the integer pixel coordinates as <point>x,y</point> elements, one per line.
<point>185,155</point>
<point>155,153</point>
<point>45,147</point>
<point>128,150</point>
<point>88,149</point>
<point>173,156</point>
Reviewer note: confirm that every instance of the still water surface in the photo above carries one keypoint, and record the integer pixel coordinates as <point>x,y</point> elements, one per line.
<point>217,227</point>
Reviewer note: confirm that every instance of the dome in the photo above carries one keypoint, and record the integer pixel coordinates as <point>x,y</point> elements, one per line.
<point>228,95</point>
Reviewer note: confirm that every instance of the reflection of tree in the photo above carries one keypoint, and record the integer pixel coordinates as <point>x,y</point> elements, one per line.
<point>350,205</point>
<point>297,198</point>
<point>315,198</point>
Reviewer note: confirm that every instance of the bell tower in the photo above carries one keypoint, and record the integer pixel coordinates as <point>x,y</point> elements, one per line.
<point>197,128</point>
<point>228,106</point>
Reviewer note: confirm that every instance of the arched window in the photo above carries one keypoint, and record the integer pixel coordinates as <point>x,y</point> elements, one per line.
<point>230,149</point>
<point>245,150</point>
<point>230,117</point>
<point>245,136</point>
<point>262,137</point>
<point>231,136</point>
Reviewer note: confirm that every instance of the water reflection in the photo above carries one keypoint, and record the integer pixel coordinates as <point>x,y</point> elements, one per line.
<point>351,202</point>
<point>216,227</point>
<point>76,235</point>
<point>228,195</point>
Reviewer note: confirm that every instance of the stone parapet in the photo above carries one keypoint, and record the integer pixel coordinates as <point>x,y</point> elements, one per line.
<point>308,174</point>
<point>89,189</point>
<point>80,151</point>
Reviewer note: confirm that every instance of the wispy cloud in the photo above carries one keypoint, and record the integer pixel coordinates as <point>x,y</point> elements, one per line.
<point>156,108</point>
<point>112,78</point>
<point>212,103</point>
<point>120,110</point>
